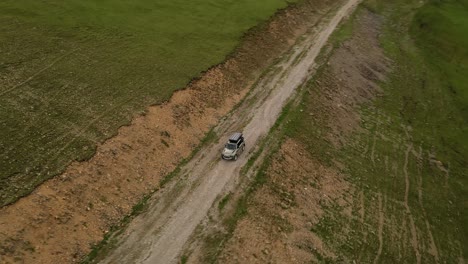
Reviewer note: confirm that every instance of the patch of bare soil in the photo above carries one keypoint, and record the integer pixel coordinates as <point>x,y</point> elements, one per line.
<point>64,217</point>
<point>283,213</point>
<point>350,79</point>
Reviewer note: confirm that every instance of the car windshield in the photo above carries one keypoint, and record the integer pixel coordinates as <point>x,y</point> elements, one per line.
<point>231,146</point>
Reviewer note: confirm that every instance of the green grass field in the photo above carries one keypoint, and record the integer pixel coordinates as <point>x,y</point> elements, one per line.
<point>419,128</point>
<point>72,73</point>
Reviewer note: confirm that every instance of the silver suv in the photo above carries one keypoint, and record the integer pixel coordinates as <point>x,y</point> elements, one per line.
<point>234,147</point>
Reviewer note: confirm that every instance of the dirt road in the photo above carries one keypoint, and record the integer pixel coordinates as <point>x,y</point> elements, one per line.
<point>159,234</point>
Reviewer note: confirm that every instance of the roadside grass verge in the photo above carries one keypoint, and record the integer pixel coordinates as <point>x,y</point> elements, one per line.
<point>72,74</point>
<point>214,242</point>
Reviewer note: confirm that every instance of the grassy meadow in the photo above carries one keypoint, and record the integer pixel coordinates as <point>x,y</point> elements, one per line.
<point>72,72</point>
<point>417,131</point>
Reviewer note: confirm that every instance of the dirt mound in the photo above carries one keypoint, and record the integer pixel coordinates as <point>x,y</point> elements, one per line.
<point>64,217</point>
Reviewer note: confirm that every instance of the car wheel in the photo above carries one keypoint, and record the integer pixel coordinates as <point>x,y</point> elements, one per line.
<point>235,157</point>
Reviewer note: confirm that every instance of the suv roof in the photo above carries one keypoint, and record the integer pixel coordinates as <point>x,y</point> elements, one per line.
<point>235,137</point>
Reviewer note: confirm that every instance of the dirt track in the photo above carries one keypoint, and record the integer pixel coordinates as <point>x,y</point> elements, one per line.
<point>158,236</point>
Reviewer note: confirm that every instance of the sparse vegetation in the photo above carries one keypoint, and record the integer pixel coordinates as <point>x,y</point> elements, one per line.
<point>183,259</point>
<point>213,244</point>
<point>224,201</point>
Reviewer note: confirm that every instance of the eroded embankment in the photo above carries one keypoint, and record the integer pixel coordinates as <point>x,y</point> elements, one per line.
<point>64,217</point>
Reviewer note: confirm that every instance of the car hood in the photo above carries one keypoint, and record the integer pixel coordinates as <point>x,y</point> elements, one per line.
<point>228,152</point>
